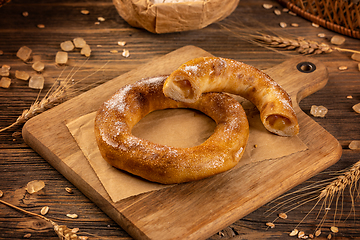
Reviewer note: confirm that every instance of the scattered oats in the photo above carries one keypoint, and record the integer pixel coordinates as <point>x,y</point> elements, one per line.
<point>22,75</point>
<point>85,12</point>
<point>41,26</point>
<point>334,229</point>
<point>36,82</point>
<point>28,235</point>
<point>101,19</point>
<point>318,233</point>
<point>318,111</point>
<point>283,24</point>
<point>301,234</point>
<point>67,46</point>
<point>5,82</point>
<point>75,230</point>
<point>349,97</point>
<point>79,42</point>
<point>337,40</point>
<point>267,6</point>
<point>356,57</point>
<point>83,237</point>
<point>25,14</point>
<point>44,210</point>
<point>277,12</point>
<point>1,193</point>
<point>354,145</point>
<point>6,67</point>
<point>114,51</point>
<point>342,68</point>
<point>295,25</point>
<point>321,35</point>
<point>24,53</point>
<point>283,215</point>
<point>292,13</point>
<point>86,50</point>
<point>315,25</point>
<point>35,186</point>
<point>72,215</point>
<point>38,66</point>
<point>97,23</point>
<point>69,190</point>
<point>285,10</point>
<point>99,45</point>
<point>329,236</point>
<point>327,209</point>
<point>61,58</point>
<point>121,43</point>
<point>270,224</point>
<point>294,232</point>
<point>1,52</point>
<point>311,236</point>
<point>356,108</point>
<point>125,53</point>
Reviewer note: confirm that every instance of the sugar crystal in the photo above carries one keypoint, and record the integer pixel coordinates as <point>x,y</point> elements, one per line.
<point>22,75</point>
<point>356,108</point>
<point>79,42</point>
<point>318,111</point>
<point>67,46</point>
<point>86,50</point>
<point>61,57</point>
<point>38,66</point>
<point>355,145</point>
<point>4,71</point>
<point>5,82</point>
<point>24,53</point>
<point>36,82</point>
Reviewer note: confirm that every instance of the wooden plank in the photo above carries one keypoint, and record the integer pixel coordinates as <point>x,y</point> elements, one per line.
<point>199,209</point>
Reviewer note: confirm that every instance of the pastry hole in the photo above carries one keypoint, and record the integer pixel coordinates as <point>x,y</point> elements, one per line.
<point>175,127</point>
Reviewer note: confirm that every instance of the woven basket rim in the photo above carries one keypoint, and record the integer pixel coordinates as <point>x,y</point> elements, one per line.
<point>322,22</point>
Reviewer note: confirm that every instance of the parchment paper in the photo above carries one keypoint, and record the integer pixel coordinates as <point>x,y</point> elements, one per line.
<point>178,128</point>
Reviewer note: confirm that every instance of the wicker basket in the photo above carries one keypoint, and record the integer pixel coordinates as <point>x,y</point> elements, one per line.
<point>341,16</point>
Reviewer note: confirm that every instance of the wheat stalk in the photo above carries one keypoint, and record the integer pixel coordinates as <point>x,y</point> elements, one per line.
<point>57,94</point>
<point>63,232</point>
<point>324,193</point>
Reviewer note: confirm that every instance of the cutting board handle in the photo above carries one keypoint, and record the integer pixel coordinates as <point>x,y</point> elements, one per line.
<point>300,76</point>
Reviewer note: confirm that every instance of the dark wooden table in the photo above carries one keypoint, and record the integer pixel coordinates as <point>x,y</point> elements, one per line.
<point>63,20</point>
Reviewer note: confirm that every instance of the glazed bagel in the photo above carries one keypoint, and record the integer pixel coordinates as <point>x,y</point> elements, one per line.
<point>165,164</point>
<point>213,74</point>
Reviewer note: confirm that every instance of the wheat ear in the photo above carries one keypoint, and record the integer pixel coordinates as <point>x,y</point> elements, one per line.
<point>324,193</point>
<point>62,231</point>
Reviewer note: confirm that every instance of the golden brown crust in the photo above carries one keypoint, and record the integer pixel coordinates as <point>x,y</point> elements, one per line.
<point>213,74</point>
<point>165,164</point>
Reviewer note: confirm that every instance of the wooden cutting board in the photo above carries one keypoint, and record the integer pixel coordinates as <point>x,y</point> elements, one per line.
<point>199,209</point>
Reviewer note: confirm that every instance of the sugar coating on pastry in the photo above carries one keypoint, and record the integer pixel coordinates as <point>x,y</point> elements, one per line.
<point>166,164</point>
<point>214,74</point>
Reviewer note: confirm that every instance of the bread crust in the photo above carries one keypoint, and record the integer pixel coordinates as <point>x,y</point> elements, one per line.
<point>214,74</point>
<point>165,164</point>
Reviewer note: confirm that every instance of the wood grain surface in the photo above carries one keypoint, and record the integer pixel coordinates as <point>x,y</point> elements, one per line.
<point>63,21</point>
